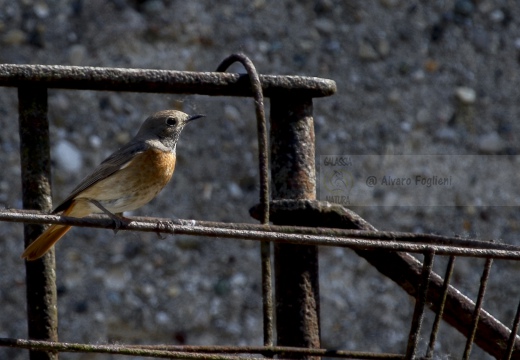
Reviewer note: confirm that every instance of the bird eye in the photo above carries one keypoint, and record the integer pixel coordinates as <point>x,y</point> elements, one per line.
<point>171,121</point>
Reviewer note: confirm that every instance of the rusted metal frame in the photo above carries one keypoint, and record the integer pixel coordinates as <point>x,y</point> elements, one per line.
<point>420,301</point>
<point>405,270</point>
<point>191,352</point>
<point>440,312</point>
<point>42,312</point>
<point>249,232</point>
<point>160,81</point>
<point>512,337</point>
<point>293,176</point>
<point>491,335</point>
<point>263,165</point>
<point>24,76</point>
<point>478,308</point>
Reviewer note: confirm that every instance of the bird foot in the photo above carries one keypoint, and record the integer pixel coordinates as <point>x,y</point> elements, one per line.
<point>119,219</point>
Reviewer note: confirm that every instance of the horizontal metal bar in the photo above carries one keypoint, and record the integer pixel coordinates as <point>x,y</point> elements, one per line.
<point>160,81</point>
<point>272,350</point>
<point>111,349</point>
<point>193,227</point>
<point>15,215</point>
<point>189,352</point>
<point>313,210</point>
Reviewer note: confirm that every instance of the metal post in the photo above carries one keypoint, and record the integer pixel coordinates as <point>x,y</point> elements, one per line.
<point>42,312</point>
<point>296,266</point>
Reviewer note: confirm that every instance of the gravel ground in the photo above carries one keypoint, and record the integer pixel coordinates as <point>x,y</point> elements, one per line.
<point>413,77</point>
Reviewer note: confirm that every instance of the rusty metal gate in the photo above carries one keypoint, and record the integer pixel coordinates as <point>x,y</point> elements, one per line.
<point>301,224</point>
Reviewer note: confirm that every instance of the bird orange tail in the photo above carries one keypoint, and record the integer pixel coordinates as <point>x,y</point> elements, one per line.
<point>44,242</point>
<point>49,237</point>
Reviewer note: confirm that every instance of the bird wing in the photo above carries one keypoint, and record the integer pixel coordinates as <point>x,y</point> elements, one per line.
<point>117,161</point>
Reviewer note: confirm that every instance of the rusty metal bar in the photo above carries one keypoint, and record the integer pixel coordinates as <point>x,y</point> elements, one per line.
<point>296,266</point>
<point>420,301</point>
<point>263,170</point>
<point>160,81</point>
<point>512,337</point>
<point>267,291</point>
<point>192,352</point>
<point>263,156</point>
<point>36,217</point>
<point>113,349</point>
<point>272,350</point>
<point>278,234</point>
<point>478,308</point>
<point>440,312</point>
<point>42,312</point>
<point>335,211</point>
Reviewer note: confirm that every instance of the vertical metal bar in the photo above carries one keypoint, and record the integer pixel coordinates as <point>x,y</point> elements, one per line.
<point>42,313</point>
<point>438,316</point>
<point>420,302</point>
<point>478,307</point>
<point>263,165</point>
<point>267,287</point>
<point>293,176</point>
<point>267,291</point>
<point>512,337</point>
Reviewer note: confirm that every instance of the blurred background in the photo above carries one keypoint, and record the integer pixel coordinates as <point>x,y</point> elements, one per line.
<point>413,77</point>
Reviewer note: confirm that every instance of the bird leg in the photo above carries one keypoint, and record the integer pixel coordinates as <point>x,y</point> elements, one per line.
<point>118,219</point>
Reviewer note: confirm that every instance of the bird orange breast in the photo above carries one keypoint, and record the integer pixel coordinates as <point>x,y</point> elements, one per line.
<point>153,167</point>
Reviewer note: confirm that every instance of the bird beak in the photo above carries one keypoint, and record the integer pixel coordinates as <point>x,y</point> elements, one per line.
<point>194,117</point>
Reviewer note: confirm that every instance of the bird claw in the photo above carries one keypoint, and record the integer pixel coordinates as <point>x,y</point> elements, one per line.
<point>119,222</point>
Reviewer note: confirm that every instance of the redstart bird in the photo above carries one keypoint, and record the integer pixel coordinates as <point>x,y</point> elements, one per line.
<point>125,181</point>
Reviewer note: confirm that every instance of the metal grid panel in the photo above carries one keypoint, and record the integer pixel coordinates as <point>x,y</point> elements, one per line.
<point>291,119</point>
